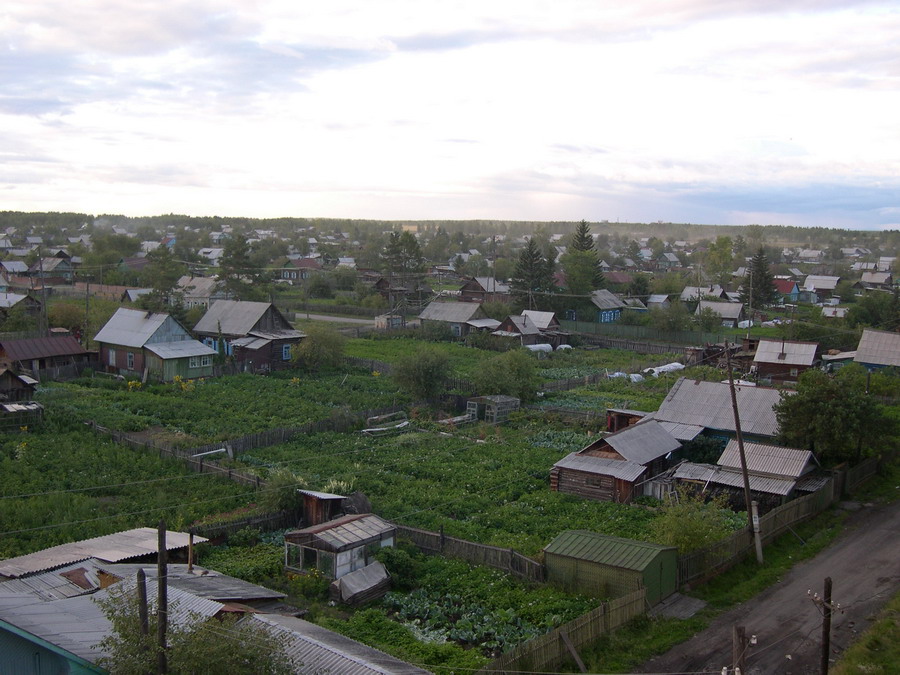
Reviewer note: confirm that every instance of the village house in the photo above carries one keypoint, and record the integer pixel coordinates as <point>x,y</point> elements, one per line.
<point>731,313</point>
<point>200,291</point>
<point>818,288</point>
<point>611,468</point>
<point>878,349</point>
<point>658,301</point>
<point>34,354</point>
<point>521,329</point>
<point>151,344</point>
<point>698,293</point>
<point>298,269</point>
<point>15,387</point>
<point>460,317</point>
<point>255,334</point>
<point>780,361</point>
<point>876,280</point>
<point>788,290</point>
<point>484,289</point>
<point>609,306</point>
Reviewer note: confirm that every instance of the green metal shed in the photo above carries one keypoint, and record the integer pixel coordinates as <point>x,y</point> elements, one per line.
<point>597,564</point>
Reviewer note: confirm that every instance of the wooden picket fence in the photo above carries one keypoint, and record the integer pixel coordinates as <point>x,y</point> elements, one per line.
<point>859,473</point>
<point>552,649</point>
<point>505,559</point>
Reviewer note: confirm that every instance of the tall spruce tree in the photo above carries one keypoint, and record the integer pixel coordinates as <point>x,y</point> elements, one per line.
<point>582,239</point>
<point>533,274</point>
<point>758,289</point>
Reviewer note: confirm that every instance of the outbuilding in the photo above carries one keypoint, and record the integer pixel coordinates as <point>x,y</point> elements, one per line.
<point>603,566</point>
<point>339,546</point>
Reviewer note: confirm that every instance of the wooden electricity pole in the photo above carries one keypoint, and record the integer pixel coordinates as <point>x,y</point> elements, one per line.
<point>826,625</point>
<point>162,601</point>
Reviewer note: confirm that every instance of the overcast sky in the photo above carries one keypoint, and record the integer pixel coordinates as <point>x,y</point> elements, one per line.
<point>701,111</point>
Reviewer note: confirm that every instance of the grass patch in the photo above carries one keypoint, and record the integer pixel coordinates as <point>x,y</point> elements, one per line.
<point>877,651</point>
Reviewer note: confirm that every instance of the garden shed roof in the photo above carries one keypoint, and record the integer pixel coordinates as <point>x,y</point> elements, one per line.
<point>708,405</point>
<point>768,459</point>
<point>109,548</point>
<point>879,347</point>
<point>348,530</point>
<point>37,348</point>
<point>600,548</point>
<point>617,468</point>
<point>318,649</point>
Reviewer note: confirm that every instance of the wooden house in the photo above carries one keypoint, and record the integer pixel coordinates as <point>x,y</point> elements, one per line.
<point>548,324</point>
<point>34,354</point>
<point>255,334</point>
<point>339,546</point>
<point>15,387</point>
<point>878,349</point>
<point>658,301</point>
<point>875,281</point>
<point>609,306</point>
<point>151,344</point>
<point>603,566</point>
<point>610,468</point>
<point>458,316</point>
<point>484,289</point>
<point>55,270</point>
<point>818,288</point>
<point>521,329</point>
<point>779,361</point>
<point>298,269</point>
<point>200,291</point>
<point>788,290</point>
<point>19,301</point>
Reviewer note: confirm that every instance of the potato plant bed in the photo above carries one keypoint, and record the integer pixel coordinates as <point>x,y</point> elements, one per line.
<point>215,409</point>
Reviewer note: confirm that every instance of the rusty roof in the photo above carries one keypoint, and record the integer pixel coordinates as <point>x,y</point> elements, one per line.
<point>38,348</point>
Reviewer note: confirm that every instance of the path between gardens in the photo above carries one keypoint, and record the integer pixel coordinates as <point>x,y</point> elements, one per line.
<point>864,564</point>
<point>335,319</point>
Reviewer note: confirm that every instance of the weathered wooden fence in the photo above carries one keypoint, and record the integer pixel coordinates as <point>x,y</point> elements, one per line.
<point>859,473</point>
<point>576,414</point>
<point>505,559</point>
<point>63,373</point>
<point>710,561</point>
<point>267,522</point>
<point>552,649</point>
<point>643,335</point>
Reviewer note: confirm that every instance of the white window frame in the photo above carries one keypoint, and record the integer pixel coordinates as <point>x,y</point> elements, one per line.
<point>285,352</point>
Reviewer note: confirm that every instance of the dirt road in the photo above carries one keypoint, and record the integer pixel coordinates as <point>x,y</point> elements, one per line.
<point>864,564</point>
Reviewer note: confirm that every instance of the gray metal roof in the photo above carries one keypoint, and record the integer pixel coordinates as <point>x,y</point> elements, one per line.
<point>708,405</point>
<point>8,300</point>
<point>617,468</point>
<point>768,459</point>
<point>452,312</point>
<point>878,347</point>
<point>642,443</point>
<point>320,495</point>
<point>180,350</point>
<point>491,285</point>
<point>318,650</point>
<point>109,548</point>
<point>731,478</point>
<point>251,343</point>
<point>604,549</point>
<point>727,310</point>
<point>786,352</point>
<point>603,299</point>
<point>66,582</point>
<point>683,432</point>
<point>815,282</point>
<point>231,317</point>
<point>130,327</point>
<point>522,325</point>
<point>540,319</point>
<point>483,323</point>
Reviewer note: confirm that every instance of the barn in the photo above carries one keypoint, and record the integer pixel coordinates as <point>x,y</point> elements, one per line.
<point>603,566</point>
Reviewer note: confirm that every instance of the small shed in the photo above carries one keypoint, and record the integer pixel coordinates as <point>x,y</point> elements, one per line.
<point>492,409</point>
<point>320,507</point>
<point>339,546</point>
<point>389,321</point>
<point>364,585</point>
<point>597,564</point>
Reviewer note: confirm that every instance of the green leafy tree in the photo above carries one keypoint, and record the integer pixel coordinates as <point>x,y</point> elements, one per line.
<point>639,286</point>
<point>423,373</point>
<point>719,259</point>
<point>759,290</point>
<point>675,317</point>
<point>708,319</point>
<point>402,255</point>
<point>17,318</point>
<point>876,310</point>
<point>690,522</point>
<point>582,272</point>
<point>582,239</point>
<point>633,251</point>
<point>323,347</point>
<point>161,275</point>
<point>513,373</point>
<point>533,273</point>
<point>834,417</point>
<point>197,645</point>
<point>241,279</point>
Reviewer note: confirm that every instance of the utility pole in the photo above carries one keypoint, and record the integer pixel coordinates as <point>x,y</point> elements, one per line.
<point>826,625</point>
<point>740,441</point>
<point>739,643</point>
<point>142,602</point>
<point>162,609</point>
<point>45,324</point>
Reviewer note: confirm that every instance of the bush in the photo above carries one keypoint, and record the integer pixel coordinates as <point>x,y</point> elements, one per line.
<point>322,347</point>
<point>513,374</point>
<point>423,373</point>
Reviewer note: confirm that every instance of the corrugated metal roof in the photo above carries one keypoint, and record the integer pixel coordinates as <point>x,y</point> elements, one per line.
<point>321,495</point>
<point>491,285</point>
<point>723,476</point>
<point>815,282</point>
<point>786,352</point>
<point>231,317</point>
<point>540,319</point>
<point>58,584</point>
<point>727,310</point>
<point>7,300</point>
<point>251,343</point>
<point>180,350</point>
<point>316,649</point>
<point>523,325</point>
<point>604,549</point>
<point>683,432</point>
<point>708,405</point>
<point>617,468</point>
<point>41,347</point>
<point>768,459</point>
<point>130,327</point>
<point>483,323</point>
<point>452,312</point>
<point>109,548</point>
<point>289,334</point>
<point>879,348</point>
<point>642,443</point>
<point>348,530</point>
